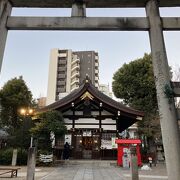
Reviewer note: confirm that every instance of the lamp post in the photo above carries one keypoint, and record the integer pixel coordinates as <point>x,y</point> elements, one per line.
<point>31,163</point>
<point>25,113</point>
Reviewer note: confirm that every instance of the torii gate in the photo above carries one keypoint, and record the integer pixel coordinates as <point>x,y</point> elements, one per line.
<point>78,21</point>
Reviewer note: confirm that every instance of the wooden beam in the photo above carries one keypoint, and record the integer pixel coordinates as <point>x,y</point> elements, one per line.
<point>76,117</point>
<point>87,124</point>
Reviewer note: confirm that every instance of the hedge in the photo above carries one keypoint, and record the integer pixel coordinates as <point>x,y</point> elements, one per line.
<point>6,156</point>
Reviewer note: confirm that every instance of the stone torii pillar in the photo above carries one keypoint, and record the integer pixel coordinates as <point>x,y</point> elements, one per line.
<point>168,119</point>
<point>5,11</point>
<point>78,8</point>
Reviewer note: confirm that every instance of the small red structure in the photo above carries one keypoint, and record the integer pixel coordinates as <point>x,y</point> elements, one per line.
<point>124,148</point>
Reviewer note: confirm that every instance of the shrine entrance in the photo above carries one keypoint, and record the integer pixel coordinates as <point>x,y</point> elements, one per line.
<point>87,144</point>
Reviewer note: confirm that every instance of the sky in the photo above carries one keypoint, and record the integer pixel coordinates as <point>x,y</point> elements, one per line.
<point>27,52</point>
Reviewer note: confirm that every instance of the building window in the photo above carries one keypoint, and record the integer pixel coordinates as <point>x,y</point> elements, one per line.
<point>108,136</point>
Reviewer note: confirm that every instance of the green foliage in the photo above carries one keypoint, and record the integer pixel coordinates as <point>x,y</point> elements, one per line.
<point>6,156</point>
<point>135,84</point>
<point>48,122</point>
<point>168,93</point>
<point>22,156</point>
<point>13,96</point>
<point>21,136</point>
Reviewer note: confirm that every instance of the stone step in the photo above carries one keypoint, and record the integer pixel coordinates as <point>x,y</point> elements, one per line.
<point>99,163</point>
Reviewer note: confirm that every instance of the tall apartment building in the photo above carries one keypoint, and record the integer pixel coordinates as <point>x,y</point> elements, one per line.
<point>104,88</point>
<point>68,69</point>
<point>41,102</point>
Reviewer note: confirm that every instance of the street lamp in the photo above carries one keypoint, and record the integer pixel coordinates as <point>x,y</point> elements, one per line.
<point>27,112</point>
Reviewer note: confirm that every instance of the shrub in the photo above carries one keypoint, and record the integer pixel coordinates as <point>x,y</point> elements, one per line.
<point>22,157</point>
<point>6,156</point>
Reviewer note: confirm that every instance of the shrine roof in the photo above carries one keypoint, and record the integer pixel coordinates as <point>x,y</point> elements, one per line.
<point>125,116</point>
<point>87,86</point>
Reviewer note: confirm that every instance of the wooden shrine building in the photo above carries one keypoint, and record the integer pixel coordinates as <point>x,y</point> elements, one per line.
<point>93,119</point>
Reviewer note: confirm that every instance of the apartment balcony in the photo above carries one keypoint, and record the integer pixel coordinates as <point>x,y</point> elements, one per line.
<point>63,62</point>
<point>96,85</point>
<point>75,74</point>
<point>96,64</point>
<point>77,60</point>
<point>96,57</point>
<point>63,55</point>
<point>96,78</point>
<point>74,81</point>
<point>61,68</point>
<point>60,83</point>
<point>61,76</point>
<point>96,71</point>
<point>63,89</point>
<point>75,67</point>
<point>74,87</point>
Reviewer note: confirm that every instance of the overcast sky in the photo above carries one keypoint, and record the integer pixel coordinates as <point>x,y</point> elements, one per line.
<point>27,52</point>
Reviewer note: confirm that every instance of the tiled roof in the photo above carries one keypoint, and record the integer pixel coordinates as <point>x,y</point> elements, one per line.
<point>89,87</point>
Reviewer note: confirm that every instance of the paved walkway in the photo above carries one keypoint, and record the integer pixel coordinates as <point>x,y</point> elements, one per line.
<point>91,170</point>
<point>85,171</point>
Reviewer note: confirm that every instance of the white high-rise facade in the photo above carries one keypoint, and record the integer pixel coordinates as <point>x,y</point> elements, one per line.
<point>104,88</point>
<point>68,69</point>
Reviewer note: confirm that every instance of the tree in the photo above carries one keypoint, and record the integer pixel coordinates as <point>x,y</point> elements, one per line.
<point>13,96</point>
<point>50,122</point>
<point>134,83</point>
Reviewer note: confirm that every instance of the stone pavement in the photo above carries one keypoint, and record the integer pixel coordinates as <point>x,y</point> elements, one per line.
<point>90,170</point>
<point>157,173</point>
